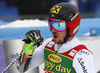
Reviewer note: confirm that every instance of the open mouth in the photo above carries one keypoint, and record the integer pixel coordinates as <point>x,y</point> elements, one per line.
<point>55,36</point>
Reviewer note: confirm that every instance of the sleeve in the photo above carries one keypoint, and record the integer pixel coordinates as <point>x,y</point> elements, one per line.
<point>27,62</point>
<point>83,62</point>
<point>37,58</point>
<point>38,55</point>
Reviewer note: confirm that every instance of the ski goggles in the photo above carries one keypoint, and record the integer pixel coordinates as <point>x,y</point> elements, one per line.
<point>58,24</point>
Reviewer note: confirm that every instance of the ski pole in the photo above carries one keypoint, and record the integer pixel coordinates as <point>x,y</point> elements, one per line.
<point>29,46</point>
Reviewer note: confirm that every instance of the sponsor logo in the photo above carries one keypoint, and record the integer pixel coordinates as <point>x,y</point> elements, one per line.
<point>56,9</point>
<point>84,52</point>
<point>62,69</point>
<point>74,16</point>
<point>82,65</point>
<point>50,44</point>
<point>75,30</point>
<point>14,56</point>
<point>49,65</point>
<point>54,58</point>
<point>59,68</point>
<point>72,53</point>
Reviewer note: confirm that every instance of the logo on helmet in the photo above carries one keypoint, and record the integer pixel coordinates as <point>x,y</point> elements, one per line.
<point>56,9</point>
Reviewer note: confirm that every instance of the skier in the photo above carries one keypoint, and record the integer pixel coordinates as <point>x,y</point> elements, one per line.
<point>63,53</point>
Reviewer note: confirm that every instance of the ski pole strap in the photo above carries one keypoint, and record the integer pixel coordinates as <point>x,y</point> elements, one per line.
<point>29,46</point>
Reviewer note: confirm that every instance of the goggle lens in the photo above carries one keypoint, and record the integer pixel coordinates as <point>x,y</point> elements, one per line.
<point>58,24</point>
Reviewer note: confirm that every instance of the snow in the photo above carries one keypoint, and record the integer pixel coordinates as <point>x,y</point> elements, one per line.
<point>87,34</point>
<point>25,23</point>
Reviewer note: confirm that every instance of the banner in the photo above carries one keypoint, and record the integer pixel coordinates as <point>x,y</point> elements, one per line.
<point>12,48</point>
<point>2,59</point>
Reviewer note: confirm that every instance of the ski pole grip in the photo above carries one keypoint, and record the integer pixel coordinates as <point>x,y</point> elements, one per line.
<point>29,46</point>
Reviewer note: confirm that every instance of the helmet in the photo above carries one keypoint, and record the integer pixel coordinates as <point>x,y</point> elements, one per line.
<point>69,13</point>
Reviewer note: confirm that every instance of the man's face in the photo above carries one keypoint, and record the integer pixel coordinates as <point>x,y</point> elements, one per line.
<point>58,36</point>
<point>58,29</point>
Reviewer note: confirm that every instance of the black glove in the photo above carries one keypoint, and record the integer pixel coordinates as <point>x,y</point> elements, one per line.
<point>33,36</point>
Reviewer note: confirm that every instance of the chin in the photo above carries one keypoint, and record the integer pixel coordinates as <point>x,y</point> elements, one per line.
<point>58,42</point>
<point>55,41</point>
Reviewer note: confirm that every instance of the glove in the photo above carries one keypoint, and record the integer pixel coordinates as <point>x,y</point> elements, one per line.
<point>32,36</point>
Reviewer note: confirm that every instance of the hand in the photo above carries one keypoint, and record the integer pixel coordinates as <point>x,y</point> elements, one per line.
<point>33,36</point>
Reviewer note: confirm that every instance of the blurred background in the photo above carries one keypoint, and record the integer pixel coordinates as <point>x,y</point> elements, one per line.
<point>21,9</point>
<point>15,15</point>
